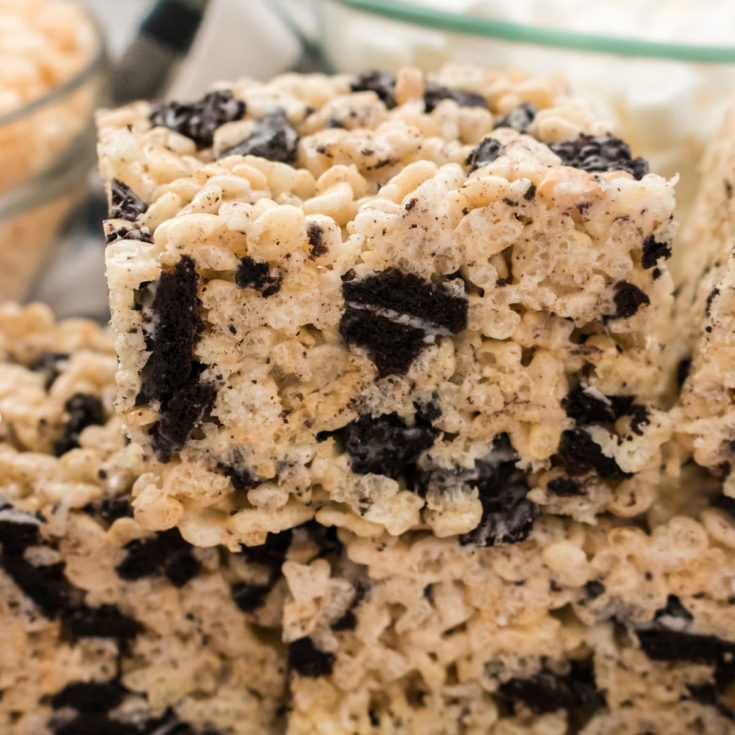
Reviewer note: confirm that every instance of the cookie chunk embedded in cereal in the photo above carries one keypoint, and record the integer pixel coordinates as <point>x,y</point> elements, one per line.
<point>299,269</point>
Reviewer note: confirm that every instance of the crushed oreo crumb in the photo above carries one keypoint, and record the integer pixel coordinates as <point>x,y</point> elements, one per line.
<point>90,696</point>
<point>199,120</point>
<point>519,118</point>
<point>141,234</point>
<point>48,363</point>
<point>315,234</point>
<point>82,410</point>
<point>105,621</point>
<point>435,93</point>
<point>249,597</point>
<point>653,251</point>
<point>251,274</point>
<point>272,138</point>
<point>272,553</point>
<point>165,553</point>
<point>406,293</point>
<point>594,589</point>
<point>628,299</point>
<point>673,609</point>
<point>307,660</point>
<point>599,154</point>
<point>713,294</point>
<point>547,691</point>
<point>385,445</point>
<point>564,487</point>
<point>682,370</point>
<point>124,202</point>
<point>383,83</point>
<point>580,454</point>
<point>391,346</point>
<point>486,152</point>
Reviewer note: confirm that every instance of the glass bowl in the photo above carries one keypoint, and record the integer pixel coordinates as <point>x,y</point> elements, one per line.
<point>664,98</point>
<point>47,148</point>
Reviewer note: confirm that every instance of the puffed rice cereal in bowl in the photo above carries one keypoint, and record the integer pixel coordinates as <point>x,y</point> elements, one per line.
<point>53,64</point>
<point>387,302</point>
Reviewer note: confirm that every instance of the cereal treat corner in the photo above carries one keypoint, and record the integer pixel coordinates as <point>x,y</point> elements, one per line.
<point>387,302</point>
<point>107,628</point>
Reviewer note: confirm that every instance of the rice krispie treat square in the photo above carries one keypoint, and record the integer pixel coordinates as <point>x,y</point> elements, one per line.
<point>106,628</point>
<point>607,630</point>
<point>390,302</point>
<point>705,415</point>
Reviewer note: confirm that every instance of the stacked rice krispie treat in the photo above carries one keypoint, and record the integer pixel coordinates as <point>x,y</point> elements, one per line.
<point>705,420</point>
<point>389,303</point>
<point>111,629</point>
<point>105,628</point>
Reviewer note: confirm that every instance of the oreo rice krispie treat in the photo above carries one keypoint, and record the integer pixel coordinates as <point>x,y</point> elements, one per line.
<point>105,628</point>
<point>387,302</point>
<point>111,629</point>
<point>705,420</point>
<point>587,630</point>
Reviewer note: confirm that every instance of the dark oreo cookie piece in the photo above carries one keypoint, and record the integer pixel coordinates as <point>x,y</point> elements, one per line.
<point>385,445</point>
<point>124,202</point>
<point>111,509</point>
<point>383,83</point>
<point>249,597</point>
<point>50,364</point>
<point>90,696</point>
<point>673,609</point>
<point>628,299</point>
<point>83,410</point>
<point>682,371</point>
<point>240,476</point>
<point>580,454</point>
<point>273,138</point>
<point>406,293</point>
<point>325,538</point>
<point>171,374</point>
<point>348,621</point>
<point>46,585</point>
<point>177,324</point>
<point>98,723</point>
<point>547,691</point>
<point>18,530</point>
<point>95,723</point>
<point>316,240</point>
<point>141,234</point>
<point>507,516</point>
<point>486,152</point>
<point>660,644</point>
<point>184,412</point>
<point>391,346</point>
<point>709,696</point>
<point>589,407</point>
<point>653,251</point>
<point>519,118</point>
<point>199,120</point>
<point>594,589</point>
<point>165,553</point>
<point>599,154</point>
<point>435,93</point>
<point>586,407</point>
<point>564,487</point>
<point>105,621</point>
<point>251,274</point>
<point>307,660</point>
<point>272,553</point>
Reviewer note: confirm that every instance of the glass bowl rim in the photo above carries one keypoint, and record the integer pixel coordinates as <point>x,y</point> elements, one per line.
<point>96,62</point>
<point>520,33</point>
